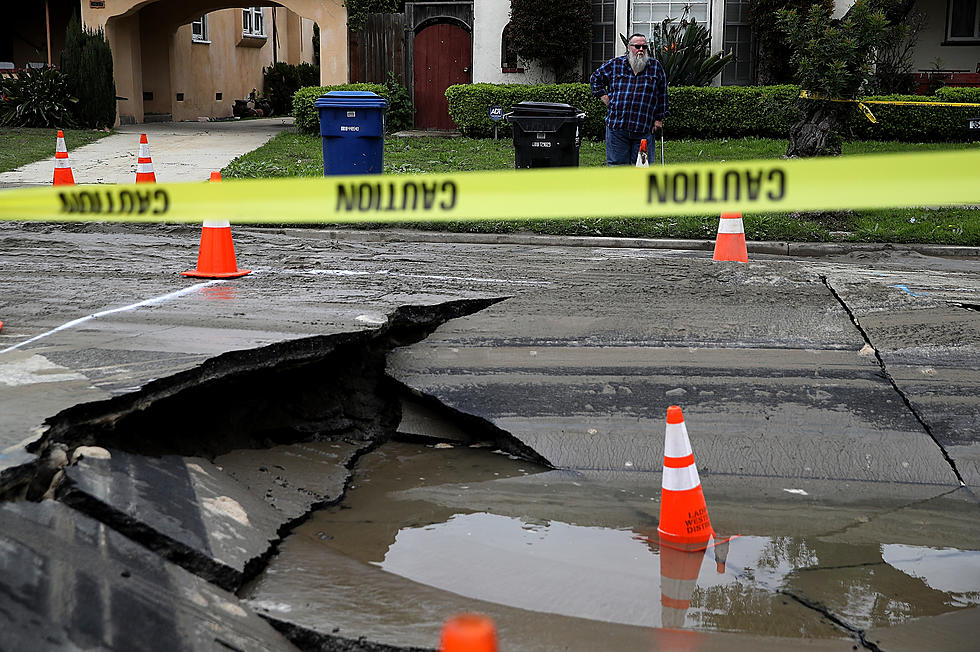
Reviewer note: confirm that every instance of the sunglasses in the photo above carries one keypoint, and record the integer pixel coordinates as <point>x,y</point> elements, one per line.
<point>638,47</point>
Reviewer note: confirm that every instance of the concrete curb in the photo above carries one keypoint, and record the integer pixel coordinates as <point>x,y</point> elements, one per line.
<point>527,239</point>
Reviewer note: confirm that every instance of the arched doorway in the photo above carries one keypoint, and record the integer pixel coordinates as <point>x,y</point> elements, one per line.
<point>442,57</point>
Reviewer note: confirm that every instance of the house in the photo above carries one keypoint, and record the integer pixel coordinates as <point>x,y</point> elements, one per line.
<point>183,59</point>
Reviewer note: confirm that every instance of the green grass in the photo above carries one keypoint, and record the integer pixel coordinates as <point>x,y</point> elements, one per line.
<point>293,154</point>
<point>22,145</point>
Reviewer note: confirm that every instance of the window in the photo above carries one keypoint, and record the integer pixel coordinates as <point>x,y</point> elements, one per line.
<point>199,30</point>
<point>605,42</point>
<point>253,22</point>
<point>508,57</point>
<point>647,13</point>
<point>963,20</point>
<point>738,39</point>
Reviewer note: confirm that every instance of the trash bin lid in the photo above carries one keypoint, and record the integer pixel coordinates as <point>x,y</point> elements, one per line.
<point>544,109</point>
<point>351,99</point>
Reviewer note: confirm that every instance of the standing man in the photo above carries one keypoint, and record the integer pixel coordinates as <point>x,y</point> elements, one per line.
<point>634,89</point>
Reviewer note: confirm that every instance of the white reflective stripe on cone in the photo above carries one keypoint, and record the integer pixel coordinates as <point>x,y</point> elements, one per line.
<point>681,479</point>
<point>144,150</point>
<point>676,441</point>
<point>144,167</point>
<point>61,149</point>
<point>217,224</point>
<point>730,225</point>
<point>62,163</point>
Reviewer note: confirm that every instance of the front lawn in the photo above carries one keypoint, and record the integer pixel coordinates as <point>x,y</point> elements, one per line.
<point>22,145</point>
<point>293,154</point>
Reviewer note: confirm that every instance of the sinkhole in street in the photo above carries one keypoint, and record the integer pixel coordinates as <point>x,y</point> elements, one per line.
<point>428,530</point>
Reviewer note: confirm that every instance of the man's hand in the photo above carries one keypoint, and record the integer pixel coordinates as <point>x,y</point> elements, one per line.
<point>658,125</point>
<point>605,100</point>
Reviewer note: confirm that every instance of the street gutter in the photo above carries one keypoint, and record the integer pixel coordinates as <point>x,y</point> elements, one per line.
<point>809,249</point>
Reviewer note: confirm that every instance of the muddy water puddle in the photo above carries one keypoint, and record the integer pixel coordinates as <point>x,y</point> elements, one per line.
<point>563,557</point>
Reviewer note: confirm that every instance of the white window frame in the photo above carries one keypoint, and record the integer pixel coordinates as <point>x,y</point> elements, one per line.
<point>199,30</point>
<point>253,22</point>
<point>976,22</point>
<point>670,8</point>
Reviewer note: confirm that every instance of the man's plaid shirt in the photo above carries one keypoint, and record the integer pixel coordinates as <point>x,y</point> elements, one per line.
<point>635,101</point>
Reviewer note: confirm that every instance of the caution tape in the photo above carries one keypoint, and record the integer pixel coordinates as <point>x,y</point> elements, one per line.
<point>829,183</point>
<point>862,104</point>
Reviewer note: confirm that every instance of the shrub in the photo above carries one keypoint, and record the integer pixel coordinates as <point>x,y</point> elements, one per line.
<point>401,112</point>
<point>308,118</point>
<point>553,32</point>
<point>683,48</point>
<point>38,97</point>
<point>86,61</point>
<point>723,111</point>
<point>914,123</point>
<point>695,112</point>
<point>281,80</point>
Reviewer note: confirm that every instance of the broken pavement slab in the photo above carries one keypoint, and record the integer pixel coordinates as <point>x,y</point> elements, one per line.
<point>294,478</point>
<point>184,509</point>
<point>73,583</point>
<point>765,361</point>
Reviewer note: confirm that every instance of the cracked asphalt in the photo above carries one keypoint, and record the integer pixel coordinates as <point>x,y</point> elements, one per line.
<point>857,373</point>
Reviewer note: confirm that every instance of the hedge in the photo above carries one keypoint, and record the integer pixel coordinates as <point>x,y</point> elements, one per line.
<point>308,118</point>
<point>724,111</point>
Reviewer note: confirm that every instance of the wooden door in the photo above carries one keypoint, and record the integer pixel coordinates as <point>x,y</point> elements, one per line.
<point>442,58</point>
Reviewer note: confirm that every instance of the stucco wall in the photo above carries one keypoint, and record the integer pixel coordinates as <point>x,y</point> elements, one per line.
<point>153,52</point>
<point>489,19</point>
<point>933,34</point>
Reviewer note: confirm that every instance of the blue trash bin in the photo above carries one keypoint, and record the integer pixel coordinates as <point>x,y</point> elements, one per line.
<point>352,127</point>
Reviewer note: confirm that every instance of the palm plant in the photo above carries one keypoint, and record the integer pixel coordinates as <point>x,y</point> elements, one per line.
<point>38,97</point>
<point>683,47</point>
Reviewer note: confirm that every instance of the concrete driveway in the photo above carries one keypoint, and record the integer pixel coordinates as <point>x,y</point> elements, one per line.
<point>181,151</point>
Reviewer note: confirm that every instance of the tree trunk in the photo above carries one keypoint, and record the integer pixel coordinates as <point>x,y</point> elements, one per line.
<point>818,133</point>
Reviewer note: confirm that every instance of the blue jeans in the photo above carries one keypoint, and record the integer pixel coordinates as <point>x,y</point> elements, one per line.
<point>622,146</point>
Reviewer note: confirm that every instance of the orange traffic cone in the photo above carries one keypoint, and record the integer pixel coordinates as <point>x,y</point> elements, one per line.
<point>730,244</point>
<point>679,570</point>
<point>684,519</point>
<point>643,157</point>
<point>144,164</point>
<point>468,633</point>
<point>216,255</point>
<point>62,168</point>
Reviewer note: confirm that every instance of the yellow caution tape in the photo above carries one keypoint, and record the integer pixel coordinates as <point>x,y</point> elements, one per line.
<point>862,104</point>
<point>879,181</point>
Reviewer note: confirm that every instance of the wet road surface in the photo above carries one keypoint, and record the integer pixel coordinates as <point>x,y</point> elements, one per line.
<point>831,404</point>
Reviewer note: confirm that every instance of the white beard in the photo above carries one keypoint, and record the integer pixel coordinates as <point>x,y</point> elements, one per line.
<point>637,61</point>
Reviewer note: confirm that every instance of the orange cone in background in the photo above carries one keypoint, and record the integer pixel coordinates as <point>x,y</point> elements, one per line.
<point>679,571</point>
<point>144,164</point>
<point>216,255</point>
<point>643,157</point>
<point>730,244</point>
<point>468,633</point>
<point>684,519</point>
<point>62,168</point>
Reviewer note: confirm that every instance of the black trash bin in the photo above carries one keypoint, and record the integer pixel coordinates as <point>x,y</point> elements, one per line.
<point>546,134</point>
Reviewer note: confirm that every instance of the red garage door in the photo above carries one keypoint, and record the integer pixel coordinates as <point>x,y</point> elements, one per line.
<point>442,58</point>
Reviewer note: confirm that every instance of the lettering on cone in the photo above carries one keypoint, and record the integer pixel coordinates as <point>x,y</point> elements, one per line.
<point>396,196</point>
<point>702,187</point>
<point>696,521</point>
<point>115,202</point>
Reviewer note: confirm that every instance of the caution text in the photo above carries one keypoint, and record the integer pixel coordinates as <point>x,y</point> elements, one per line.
<point>707,187</point>
<point>115,202</point>
<point>396,196</point>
